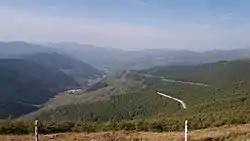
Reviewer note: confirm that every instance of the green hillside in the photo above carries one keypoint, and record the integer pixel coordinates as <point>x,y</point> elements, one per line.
<point>48,76</point>
<point>214,73</point>
<point>132,97</point>
<point>24,85</point>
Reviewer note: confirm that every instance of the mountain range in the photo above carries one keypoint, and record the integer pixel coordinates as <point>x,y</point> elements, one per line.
<point>115,60</point>
<point>119,85</point>
<point>79,70</point>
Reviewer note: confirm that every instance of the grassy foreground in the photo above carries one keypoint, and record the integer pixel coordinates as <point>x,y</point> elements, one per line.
<point>224,133</point>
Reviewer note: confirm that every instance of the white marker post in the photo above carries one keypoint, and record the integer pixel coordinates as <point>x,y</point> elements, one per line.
<point>184,107</point>
<point>36,130</point>
<point>186,130</point>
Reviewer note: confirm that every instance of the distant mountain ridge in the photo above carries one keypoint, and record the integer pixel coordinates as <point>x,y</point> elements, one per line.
<point>17,48</point>
<point>79,70</point>
<point>117,60</point>
<point>99,57</point>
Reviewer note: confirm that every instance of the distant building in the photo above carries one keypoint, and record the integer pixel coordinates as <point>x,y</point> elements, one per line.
<point>73,91</point>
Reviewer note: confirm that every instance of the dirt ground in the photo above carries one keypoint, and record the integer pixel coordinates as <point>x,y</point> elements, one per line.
<point>225,133</point>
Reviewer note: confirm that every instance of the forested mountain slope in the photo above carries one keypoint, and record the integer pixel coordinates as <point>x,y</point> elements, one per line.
<point>132,96</point>
<point>25,84</point>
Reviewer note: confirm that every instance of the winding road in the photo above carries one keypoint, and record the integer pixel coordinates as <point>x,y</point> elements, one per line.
<point>183,82</point>
<point>178,100</point>
<point>177,81</point>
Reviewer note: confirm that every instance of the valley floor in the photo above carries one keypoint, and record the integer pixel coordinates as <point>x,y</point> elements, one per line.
<point>225,133</point>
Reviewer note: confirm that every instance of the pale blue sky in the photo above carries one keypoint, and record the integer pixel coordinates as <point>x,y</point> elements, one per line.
<point>177,24</point>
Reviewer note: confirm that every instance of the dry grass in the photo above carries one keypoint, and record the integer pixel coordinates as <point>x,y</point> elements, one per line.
<point>225,133</point>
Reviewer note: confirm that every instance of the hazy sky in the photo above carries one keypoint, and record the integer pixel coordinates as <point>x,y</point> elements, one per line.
<point>177,24</point>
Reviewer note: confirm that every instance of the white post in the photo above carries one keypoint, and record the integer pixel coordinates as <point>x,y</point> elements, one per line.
<point>186,130</point>
<point>36,130</point>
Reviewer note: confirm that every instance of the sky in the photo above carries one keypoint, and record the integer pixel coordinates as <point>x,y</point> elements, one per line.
<point>129,24</point>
